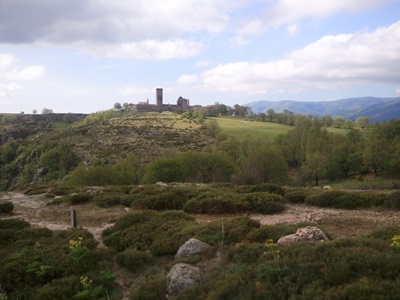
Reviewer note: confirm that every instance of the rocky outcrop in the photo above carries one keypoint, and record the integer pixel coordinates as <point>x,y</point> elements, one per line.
<point>182,276</point>
<point>192,247</point>
<point>305,234</point>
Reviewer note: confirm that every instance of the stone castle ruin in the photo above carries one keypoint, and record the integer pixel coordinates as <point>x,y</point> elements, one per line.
<point>181,105</point>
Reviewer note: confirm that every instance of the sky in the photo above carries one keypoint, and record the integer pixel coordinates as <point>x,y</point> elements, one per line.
<point>85,55</point>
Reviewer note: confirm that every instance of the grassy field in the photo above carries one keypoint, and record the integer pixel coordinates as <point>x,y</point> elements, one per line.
<point>243,129</point>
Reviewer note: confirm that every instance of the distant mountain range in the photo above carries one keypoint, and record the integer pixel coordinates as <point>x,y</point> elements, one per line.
<point>376,109</point>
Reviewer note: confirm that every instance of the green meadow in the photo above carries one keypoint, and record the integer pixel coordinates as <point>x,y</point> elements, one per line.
<point>244,129</point>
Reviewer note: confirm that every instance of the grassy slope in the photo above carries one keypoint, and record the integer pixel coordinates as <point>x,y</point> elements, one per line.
<point>243,129</point>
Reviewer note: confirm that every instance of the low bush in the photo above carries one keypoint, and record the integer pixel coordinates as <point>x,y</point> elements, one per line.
<point>297,195</point>
<point>79,198</point>
<point>261,187</point>
<point>108,199</point>
<point>393,200</point>
<point>347,200</point>
<point>132,259</point>
<point>265,202</point>
<point>6,207</point>
<point>153,287</point>
<point>159,232</point>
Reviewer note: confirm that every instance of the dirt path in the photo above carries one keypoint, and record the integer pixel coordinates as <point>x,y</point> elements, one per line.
<point>35,210</point>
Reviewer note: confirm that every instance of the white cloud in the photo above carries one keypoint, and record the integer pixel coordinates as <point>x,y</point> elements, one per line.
<point>12,73</point>
<point>239,41</point>
<point>397,91</point>
<point>134,91</point>
<point>293,29</point>
<point>202,64</point>
<point>6,60</point>
<point>9,89</point>
<point>147,49</point>
<point>330,62</point>
<point>286,12</point>
<point>188,79</point>
<point>28,73</point>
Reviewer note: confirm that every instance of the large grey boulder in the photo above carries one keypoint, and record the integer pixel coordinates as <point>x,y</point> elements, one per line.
<point>182,276</point>
<point>191,248</point>
<point>305,234</point>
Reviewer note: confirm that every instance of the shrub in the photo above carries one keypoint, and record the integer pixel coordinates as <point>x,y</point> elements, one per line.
<point>79,198</point>
<point>154,287</point>
<point>14,224</point>
<point>393,200</point>
<point>261,187</point>
<point>297,196</point>
<point>133,259</point>
<point>324,199</point>
<point>6,207</point>
<point>110,199</point>
<point>159,232</point>
<point>265,203</point>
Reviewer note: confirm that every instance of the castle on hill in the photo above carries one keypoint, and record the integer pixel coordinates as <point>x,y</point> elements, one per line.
<point>181,105</point>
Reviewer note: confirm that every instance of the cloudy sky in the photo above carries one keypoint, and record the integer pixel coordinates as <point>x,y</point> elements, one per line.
<point>85,55</point>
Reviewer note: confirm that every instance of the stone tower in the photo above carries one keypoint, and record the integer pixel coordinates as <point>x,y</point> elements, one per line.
<point>159,96</point>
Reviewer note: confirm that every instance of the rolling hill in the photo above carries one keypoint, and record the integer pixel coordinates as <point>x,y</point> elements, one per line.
<point>377,109</point>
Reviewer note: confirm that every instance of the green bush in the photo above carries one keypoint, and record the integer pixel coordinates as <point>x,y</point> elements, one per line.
<point>109,199</point>
<point>79,198</point>
<point>297,196</point>
<point>324,199</point>
<point>261,187</point>
<point>347,200</point>
<point>14,224</point>
<point>265,202</point>
<point>159,232</point>
<point>154,287</point>
<point>6,207</point>
<point>133,259</point>
<point>393,200</point>
<point>161,198</point>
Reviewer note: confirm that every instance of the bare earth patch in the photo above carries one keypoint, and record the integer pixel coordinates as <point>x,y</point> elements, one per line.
<point>337,222</point>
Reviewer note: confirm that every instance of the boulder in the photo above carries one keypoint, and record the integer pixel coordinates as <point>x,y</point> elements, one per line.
<point>182,276</point>
<point>191,248</point>
<point>305,234</point>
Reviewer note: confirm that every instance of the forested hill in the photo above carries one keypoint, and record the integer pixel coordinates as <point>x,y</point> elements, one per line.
<point>377,109</point>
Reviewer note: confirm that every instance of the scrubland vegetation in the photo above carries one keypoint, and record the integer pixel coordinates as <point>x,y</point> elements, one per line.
<point>201,166</point>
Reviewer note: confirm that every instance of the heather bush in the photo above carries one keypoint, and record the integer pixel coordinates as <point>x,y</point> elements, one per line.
<point>265,202</point>
<point>393,200</point>
<point>152,287</point>
<point>261,187</point>
<point>6,207</point>
<point>132,259</point>
<point>297,195</point>
<point>79,198</point>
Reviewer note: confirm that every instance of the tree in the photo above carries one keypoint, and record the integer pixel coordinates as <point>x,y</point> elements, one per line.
<point>125,106</point>
<point>376,154</point>
<point>315,166</point>
<point>46,111</point>
<point>363,122</point>
<point>117,106</point>
<point>263,165</point>
<point>339,122</point>
<point>34,111</point>
<point>271,114</point>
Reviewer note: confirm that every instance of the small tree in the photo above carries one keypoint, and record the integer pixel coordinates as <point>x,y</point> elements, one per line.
<point>117,106</point>
<point>363,122</point>
<point>34,111</point>
<point>46,111</point>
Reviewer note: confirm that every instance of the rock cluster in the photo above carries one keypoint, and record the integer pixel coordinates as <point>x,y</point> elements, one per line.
<point>305,234</point>
<point>183,275</point>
